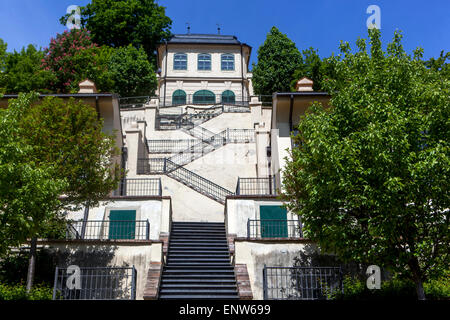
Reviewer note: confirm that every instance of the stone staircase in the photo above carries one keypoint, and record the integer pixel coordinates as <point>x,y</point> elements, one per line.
<point>198,263</point>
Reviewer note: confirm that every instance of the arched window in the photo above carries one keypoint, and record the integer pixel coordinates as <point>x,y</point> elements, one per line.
<point>227,61</point>
<point>204,61</point>
<point>204,97</point>
<point>179,97</point>
<point>180,61</point>
<point>228,97</point>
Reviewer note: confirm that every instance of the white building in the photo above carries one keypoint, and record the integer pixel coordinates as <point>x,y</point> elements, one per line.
<point>198,215</point>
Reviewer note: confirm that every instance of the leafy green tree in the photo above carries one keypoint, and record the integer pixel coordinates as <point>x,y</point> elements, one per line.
<point>370,176</point>
<point>23,72</point>
<point>440,64</point>
<point>131,72</point>
<point>73,57</point>
<point>118,23</point>
<point>28,192</point>
<point>3,55</point>
<point>55,157</point>
<point>69,135</point>
<point>278,58</point>
<point>314,68</point>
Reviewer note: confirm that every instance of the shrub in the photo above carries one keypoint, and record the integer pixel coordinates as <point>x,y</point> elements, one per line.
<point>18,292</point>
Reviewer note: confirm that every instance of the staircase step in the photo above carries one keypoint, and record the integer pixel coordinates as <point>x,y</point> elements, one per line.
<point>199,286</point>
<point>197,291</point>
<point>198,281</point>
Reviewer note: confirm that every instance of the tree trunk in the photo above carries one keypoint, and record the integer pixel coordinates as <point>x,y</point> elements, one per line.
<point>415,269</point>
<point>31,264</point>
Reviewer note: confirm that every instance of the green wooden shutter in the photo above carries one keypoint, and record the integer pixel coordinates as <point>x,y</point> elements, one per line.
<point>122,224</point>
<point>273,222</point>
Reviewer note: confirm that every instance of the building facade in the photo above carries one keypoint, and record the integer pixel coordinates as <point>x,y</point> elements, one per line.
<point>198,214</point>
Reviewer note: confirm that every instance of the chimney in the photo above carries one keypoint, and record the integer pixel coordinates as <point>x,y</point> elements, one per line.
<point>304,84</point>
<point>87,86</point>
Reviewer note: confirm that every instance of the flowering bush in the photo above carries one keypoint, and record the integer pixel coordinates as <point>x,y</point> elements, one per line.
<point>73,57</point>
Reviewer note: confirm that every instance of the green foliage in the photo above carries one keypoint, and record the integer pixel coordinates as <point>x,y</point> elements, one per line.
<point>19,292</point>
<point>313,68</point>
<point>278,58</point>
<point>72,57</point>
<point>356,289</point>
<point>440,64</point>
<point>118,23</point>
<point>14,267</point>
<point>69,135</point>
<point>370,176</point>
<point>23,73</point>
<point>131,72</point>
<point>28,191</point>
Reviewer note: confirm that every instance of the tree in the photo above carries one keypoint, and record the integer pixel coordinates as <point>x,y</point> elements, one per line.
<point>23,73</point>
<point>28,192</point>
<point>68,162</point>
<point>440,64</point>
<point>3,55</point>
<point>118,23</point>
<point>131,72</point>
<point>370,176</point>
<point>73,57</point>
<point>278,58</point>
<point>314,68</point>
<point>68,135</point>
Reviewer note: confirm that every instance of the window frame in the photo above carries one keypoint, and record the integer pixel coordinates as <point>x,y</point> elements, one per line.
<point>204,61</point>
<point>179,91</point>
<point>179,54</point>
<point>222,61</point>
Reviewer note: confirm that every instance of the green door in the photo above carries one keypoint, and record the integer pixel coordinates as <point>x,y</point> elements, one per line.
<point>273,222</point>
<point>122,224</point>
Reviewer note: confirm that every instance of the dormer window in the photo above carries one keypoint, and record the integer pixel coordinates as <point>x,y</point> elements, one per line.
<point>227,62</point>
<point>204,61</point>
<point>180,61</point>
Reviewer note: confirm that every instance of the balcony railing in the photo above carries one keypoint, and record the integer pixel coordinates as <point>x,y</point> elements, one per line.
<point>133,102</point>
<point>108,230</point>
<point>266,228</point>
<point>172,146</point>
<point>256,186</point>
<point>204,100</point>
<point>301,283</point>
<point>95,284</point>
<point>139,187</point>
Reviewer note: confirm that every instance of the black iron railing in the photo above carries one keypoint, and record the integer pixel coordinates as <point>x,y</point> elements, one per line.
<point>197,182</point>
<point>108,230</point>
<point>208,100</point>
<point>150,166</point>
<point>274,228</point>
<point>301,283</point>
<point>89,283</point>
<point>133,102</point>
<point>139,187</point>
<point>256,186</point>
<point>171,146</point>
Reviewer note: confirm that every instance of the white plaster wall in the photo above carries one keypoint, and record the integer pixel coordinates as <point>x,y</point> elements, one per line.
<point>192,54</point>
<point>257,254</point>
<point>121,255</point>
<point>145,209</point>
<point>224,165</point>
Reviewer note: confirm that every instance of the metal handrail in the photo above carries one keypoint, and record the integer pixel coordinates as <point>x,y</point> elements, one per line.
<point>139,187</point>
<point>301,283</point>
<point>256,186</point>
<point>96,283</point>
<point>110,229</point>
<point>197,182</point>
<point>274,228</point>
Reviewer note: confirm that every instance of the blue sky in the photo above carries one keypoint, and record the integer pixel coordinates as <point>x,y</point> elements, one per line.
<point>317,23</point>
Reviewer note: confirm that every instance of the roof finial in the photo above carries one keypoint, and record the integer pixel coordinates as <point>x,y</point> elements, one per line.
<point>188,27</point>
<point>218,28</point>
